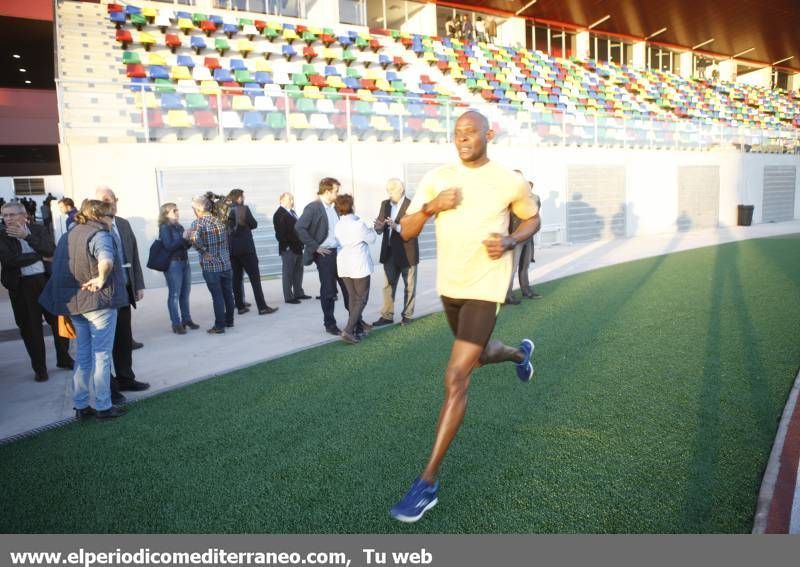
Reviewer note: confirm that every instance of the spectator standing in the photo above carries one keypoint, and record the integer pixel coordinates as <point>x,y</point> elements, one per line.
<point>67,208</point>
<point>243,254</point>
<point>290,249</point>
<point>124,378</point>
<point>399,257</point>
<point>24,247</point>
<point>88,284</point>
<point>179,273</point>
<point>210,239</point>
<point>315,227</point>
<point>354,263</point>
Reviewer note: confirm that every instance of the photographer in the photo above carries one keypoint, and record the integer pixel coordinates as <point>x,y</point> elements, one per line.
<point>24,248</point>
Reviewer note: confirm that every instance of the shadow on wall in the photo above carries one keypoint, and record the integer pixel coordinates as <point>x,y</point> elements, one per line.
<point>583,222</point>
<point>683,222</point>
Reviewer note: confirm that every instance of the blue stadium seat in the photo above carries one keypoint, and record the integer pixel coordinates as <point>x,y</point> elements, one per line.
<point>198,43</point>
<point>345,41</point>
<point>253,89</point>
<point>330,71</point>
<point>171,101</point>
<point>158,72</point>
<point>262,77</point>
<point>222,75</point>
<point>183,15</point>
<point>186,61</point>
<point>254,120</point>
<point>117,17</point>
<point>238,65</point>
<point>131,10</point>
<point>216,19</point>
<point>288,52</point>
<point>229,29</point>
<point>352,83</point>
<point>140,84</point>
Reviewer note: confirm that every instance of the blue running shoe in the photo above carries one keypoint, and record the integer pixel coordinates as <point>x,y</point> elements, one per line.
<point>525,368</point>
<point>420,498</point>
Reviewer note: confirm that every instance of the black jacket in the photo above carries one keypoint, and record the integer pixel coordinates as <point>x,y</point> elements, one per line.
<point>284,222</point>
<point>131,250</point>
<point>12,259</point>
<point>403,253</point>
<point>240,236</point>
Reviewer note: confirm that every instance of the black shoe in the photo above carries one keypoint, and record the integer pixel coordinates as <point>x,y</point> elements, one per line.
<point>215,331</point>
<point>135,345</point>
<point>41,376</point>
<point>293,301</point>
<point>246,304</point>
<point>381,322</point>
<point>111,412</point>
<point>405,320</point>
<point>131,385</point>
<point>192,325</point>
<point>512,301</point>
<point>366,327</point>
<point>535,295</point>
<point>117,398</point>
<point>267,310</point>
<point>333,330</point>
<point>243,310</point>
<point>349,339</point>
<point>229,325</point>
<point>178,329</point>
<point>317,297</point>
<point>304,297</point>
<point>66,364</point>
<point>88,411</point>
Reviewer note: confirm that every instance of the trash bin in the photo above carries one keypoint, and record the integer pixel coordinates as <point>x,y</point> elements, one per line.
<point>745,215</point>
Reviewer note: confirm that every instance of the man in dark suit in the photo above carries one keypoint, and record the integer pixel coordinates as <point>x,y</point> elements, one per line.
<point>23,248</point>
<point>290,249</point>
<point>399,257</point>
<point>315,229</point>
<point>124,378</point>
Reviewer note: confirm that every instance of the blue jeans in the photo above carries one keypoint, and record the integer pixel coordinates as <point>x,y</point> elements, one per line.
<point>95,341</point>
<point>220,284</point>
<point>179,284</point>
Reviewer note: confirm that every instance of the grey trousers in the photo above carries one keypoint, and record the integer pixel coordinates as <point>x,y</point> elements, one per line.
<point>358,295</point>
<point>292,275</point>
<point>393,273</point>
<point>522,263</point>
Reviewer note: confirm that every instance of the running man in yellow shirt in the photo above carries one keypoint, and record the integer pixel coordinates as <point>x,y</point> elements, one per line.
<point>471,201</point>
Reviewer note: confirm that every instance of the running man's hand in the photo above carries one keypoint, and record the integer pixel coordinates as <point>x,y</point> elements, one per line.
<point>446,200</point>
<point>323,251</point>
<point>497,244</point>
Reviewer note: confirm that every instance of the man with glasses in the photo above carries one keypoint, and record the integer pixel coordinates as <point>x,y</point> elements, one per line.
<point>24,247</point>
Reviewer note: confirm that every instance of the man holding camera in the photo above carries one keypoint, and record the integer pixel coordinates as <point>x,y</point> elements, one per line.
<point>24,247</point>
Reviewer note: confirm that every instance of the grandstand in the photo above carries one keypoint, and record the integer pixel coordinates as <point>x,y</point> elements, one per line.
<point>163,100</point>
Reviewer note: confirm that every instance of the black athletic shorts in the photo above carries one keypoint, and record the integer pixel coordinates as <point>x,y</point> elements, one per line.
<point>471,320</point>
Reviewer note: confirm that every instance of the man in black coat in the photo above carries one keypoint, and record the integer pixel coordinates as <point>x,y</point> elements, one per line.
<point>315,229</point>
<point>124,378</point>
<point>23,248</point>
<point>290,249</point>
<point>399,257</point>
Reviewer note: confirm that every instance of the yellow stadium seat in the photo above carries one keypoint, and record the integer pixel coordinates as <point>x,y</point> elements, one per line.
<point>244,46</point>
<point>365,94</point>
<point>242,102</point>
<point>383,85</point>
<point>263,65</point>
<point>150,100</point>
<point>149,12</point>
<point>146,39</point>
<point>310,91</point>
<point>185,24</point>
<point>380,123</point>
<point>209,87</point>
<point>335,81</point>
<point>298,120</point>
<point>156,59</point>
<point>178,119</point>
<point>179,73</point>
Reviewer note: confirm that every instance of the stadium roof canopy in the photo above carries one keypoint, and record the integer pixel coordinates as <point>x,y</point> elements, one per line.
<point>771,27</point>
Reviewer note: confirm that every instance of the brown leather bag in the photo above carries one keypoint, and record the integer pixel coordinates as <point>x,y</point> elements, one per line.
<point>65,327</point>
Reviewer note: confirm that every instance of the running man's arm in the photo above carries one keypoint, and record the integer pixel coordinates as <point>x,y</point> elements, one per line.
<point>525,208</point>
<point>411,224</point>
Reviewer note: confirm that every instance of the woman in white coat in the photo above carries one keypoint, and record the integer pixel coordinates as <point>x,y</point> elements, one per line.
<point>353,263</point>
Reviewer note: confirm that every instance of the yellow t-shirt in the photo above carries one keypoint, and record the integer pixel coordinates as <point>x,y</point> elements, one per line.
<point>464,269</point>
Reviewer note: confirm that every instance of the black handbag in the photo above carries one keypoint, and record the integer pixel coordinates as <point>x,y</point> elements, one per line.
<point>159,258</point>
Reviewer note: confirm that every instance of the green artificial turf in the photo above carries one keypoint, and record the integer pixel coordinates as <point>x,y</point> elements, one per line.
<point>659,387</point>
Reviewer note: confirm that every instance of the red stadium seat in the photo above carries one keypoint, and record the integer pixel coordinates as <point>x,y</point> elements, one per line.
<point>205,119</point>
<point>124,37</point>
<point>212,63</point>
<point>208,27</point>
<point>309,53</point>
<point>173,42</point>
<point>155,119</point>
<point>136,70</point>
<point>115,8</point>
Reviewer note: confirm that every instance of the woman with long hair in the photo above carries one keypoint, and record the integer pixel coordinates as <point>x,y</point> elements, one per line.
<point>243,253</point>
<point>88,285</point>
<point>179,273</point>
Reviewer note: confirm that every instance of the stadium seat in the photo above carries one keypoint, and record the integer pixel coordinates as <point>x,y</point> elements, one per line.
<point>124,37</point>
<point>230,29</point>
<point>264,103</point>
<point>178,119</point>
<point>135,69</point>
<point>276,121</point>
<point>198,44</point>
<point>221,46</point>
<point>130,58</point>
<point>211,63</point>
<point>243,76</point>
<point>201,73</point>
<point>222,76</point>
<point>262,77</point>
<point>242,102</point>
<point>231,120</point>
<point>158,72</point>
<point>138,21</point>
<point>179,73</point>
<point>254,120</point>
<point>185,25</point>
<point>208,27</point>
<point>118,18</point>
<point>186,61</point>
<point>288,52</point>
<point>249,31</point>
<point>196,101</point>
<point>162,21</point>
<point>171,101</point>
<point>309,54</point>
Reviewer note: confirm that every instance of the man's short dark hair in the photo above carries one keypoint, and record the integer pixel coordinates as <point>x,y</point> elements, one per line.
<point>326,184</point>
<point>344,205</point>
<point>68,202</point>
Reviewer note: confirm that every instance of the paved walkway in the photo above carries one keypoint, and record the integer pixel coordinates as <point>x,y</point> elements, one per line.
<point>168,360</point>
